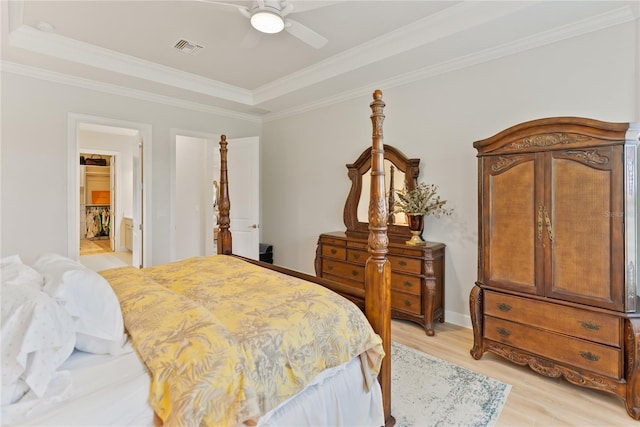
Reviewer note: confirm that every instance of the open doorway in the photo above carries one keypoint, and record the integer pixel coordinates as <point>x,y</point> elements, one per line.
<point>106,198</point>
<point>97,203</point>
<point>195,170</point>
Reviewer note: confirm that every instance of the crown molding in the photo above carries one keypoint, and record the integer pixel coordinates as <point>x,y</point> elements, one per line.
<point>55,77</point>
<point>608,19</point>
<point>449,21</point>
<point>456,18</point>
<point>26,37</point>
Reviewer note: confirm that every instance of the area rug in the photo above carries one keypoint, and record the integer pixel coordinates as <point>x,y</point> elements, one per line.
<point>427,391</point>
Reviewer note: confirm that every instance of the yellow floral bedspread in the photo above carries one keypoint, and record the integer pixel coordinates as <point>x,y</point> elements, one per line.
<point>225,340</point>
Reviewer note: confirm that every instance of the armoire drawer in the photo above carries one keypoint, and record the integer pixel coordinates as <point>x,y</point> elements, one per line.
<point>343,269</point>
<point>576,352</point>
<point>336,252</point>
<point>406,283</point>
<point>406,302</point>
<point>580,323</point>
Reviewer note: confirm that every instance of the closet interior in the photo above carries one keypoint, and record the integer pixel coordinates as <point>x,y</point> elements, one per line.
<point>95,202</point>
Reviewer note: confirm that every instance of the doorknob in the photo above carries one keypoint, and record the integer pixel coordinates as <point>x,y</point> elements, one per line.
<point>253,226</point>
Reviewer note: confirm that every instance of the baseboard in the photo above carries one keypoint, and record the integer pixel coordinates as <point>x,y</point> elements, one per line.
<point>457,318</point>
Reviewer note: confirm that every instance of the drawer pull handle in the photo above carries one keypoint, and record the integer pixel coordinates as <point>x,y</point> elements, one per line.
<point>329,267</point>
<point>356,256</point>
<point>354,272</point>
<point>407,303</point>
<point>403,263</point>
<point>503,332</point>
<point>407,283</point>
<point>589,356</point>
<point>334,251</point>
<point>504,307</point>
<point>590,325</point>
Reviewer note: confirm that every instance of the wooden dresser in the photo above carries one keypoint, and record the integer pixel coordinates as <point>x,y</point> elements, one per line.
<point>557,285</point>
<point>417,274</point>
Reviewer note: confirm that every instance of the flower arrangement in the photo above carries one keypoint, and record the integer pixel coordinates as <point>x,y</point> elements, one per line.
<point>422,200</point>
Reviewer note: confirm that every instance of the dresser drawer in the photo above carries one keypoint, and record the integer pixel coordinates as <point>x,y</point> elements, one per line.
<point>362,245</point>
<point>405,283</point>
<point>408,303</point>
<point>406,265</point>
<point>576,322</point>
<point>336,252</point>
<point>342,269</point>
<point>344,281</point>
<point>357,256</point>
<point>325,240</point>
<point>576,352</point>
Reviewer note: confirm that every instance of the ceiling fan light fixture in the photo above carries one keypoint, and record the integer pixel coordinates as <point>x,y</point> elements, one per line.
<point>267,22</point>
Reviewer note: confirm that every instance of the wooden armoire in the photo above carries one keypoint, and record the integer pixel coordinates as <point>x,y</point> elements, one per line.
<point>557,286</point>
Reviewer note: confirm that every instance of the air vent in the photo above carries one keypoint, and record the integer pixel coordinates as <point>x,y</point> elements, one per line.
<point>188,47</point>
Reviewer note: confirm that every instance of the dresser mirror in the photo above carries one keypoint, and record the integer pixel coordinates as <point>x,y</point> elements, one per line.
<point>399,172</point>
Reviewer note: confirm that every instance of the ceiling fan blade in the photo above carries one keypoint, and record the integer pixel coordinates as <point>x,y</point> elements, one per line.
<point>287,8</point>
<point>306,5</point>
<point>221,3</point>
<point>305,34</point>
<point>244,12</point>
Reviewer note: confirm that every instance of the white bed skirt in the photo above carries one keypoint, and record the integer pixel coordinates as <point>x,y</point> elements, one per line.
<point>114,390</point>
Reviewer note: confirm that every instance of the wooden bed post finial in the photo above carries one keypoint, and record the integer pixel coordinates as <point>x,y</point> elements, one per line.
<point>377,268</point>
<point>224,235</point>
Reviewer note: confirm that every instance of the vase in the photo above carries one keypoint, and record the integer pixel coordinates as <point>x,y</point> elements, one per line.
<point>416,225</point>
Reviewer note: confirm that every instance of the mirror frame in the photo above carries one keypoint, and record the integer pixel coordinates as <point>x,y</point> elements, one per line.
<point>411,169</point>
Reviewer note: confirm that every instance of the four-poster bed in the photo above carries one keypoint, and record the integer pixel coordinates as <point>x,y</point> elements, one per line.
<point>377,293</point>
<point>219,340</point>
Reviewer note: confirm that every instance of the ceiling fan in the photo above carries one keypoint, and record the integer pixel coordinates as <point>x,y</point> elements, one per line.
<point>271,16</point>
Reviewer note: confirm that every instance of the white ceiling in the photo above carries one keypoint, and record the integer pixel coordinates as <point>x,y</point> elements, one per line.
<point>128,46</point>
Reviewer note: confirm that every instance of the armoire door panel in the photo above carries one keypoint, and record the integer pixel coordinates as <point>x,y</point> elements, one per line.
<point>582,228</point>
<point>509,222</point>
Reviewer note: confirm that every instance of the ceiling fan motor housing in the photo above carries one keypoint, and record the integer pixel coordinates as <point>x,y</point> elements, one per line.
<point>267,17</point>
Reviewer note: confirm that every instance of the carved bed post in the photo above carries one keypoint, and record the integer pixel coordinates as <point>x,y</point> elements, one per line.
<point>378,269</point>
<point>224,235</point>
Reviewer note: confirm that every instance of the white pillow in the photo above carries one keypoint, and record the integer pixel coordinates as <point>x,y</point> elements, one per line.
<point>95,345</point>
<point>11,259</point>
<point>37,337</point>
<point>88,298</point>
<point>20,274</point>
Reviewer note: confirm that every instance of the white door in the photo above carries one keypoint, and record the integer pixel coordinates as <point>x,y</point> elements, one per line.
<point>112,208</point>
<point>138,186</point>
<point>243,161</point>
<point>193,206</point>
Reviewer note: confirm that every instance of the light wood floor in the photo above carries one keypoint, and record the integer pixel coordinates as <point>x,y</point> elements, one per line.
<point>96,246</point>
<point>534,400</point>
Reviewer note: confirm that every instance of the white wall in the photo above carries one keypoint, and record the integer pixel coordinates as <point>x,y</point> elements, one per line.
<point>304,178</point>
<point>33,217</point>
<point>304,181</point>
